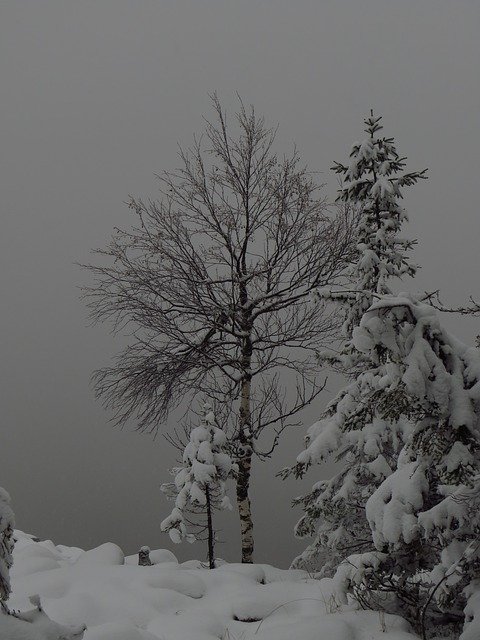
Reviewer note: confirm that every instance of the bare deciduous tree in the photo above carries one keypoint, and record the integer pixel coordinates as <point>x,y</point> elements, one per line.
<point>215,283</point>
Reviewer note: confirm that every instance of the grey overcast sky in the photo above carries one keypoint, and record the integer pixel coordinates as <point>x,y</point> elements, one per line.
<point>95,95</point>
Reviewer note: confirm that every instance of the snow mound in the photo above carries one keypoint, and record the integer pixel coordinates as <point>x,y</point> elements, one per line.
<point>108,553</point>
<point>36,625</point>
<point>185,583</point>
<point>172,601</point>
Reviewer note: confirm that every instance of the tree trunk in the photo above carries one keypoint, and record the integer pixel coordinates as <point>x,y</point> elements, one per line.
<point>245,439</point>
<point>244,469</point>
<point>211,557</point>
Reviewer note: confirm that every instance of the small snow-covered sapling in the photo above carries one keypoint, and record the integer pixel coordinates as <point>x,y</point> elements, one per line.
<point>200,483</point>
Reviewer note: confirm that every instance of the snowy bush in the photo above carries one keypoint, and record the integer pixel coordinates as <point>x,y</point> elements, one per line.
<point>200,484</point>
<point>7,524</point>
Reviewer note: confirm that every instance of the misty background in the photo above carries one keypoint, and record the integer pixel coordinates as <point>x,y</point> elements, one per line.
<point>95,96</point>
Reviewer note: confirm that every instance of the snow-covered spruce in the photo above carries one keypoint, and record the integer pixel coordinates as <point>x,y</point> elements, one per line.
<point>373,184</point>
<point>368,442</point>
<point>362,428</point>
<point>200,484</point>
<point>7,524</point>
<point>423,394</point>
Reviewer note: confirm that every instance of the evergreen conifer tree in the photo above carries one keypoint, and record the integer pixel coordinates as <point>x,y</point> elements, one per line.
<point>200,483</point>
<point>349,431</point>
<point>424,517</point>
<point>373,182</point>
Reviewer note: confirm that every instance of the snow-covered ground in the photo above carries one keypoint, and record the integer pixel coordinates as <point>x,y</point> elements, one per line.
<point>119,600</point>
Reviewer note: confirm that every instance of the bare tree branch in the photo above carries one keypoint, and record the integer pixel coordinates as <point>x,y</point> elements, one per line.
<point>215,282</point>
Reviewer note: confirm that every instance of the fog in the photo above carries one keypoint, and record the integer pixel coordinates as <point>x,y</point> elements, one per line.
<point>96,94</point>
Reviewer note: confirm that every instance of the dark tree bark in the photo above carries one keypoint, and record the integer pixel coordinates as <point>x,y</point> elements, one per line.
<point>211,532</point>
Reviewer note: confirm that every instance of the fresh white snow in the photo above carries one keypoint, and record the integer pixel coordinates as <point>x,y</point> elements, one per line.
<point>119,600</point>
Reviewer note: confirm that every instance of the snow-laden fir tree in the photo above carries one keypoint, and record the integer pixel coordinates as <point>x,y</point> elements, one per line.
<point>373,181</point>
<point>365,441</point>
<point>424,517</point>
<point>358,430</point>
<point>200,483</point>
<point>7,524</point>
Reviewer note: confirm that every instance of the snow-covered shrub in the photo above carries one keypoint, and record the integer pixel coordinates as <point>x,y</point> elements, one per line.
<point>200,483</point>
<point>7,524</point>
